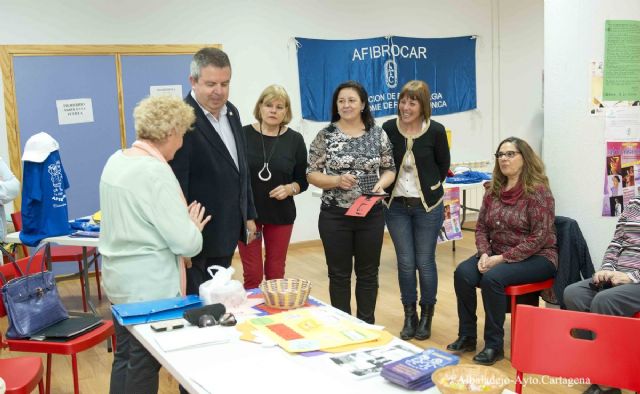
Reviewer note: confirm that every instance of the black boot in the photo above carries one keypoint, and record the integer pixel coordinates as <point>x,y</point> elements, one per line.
<point>424,327</point>
<point>410,322</point>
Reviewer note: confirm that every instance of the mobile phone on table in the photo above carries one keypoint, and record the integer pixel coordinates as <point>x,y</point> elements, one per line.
<point>167,325</point>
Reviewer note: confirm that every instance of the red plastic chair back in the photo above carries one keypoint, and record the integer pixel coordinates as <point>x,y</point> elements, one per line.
<point>9,272</point>
<point>543,345</point>
<point>22,374</point>
<point>16,218</point>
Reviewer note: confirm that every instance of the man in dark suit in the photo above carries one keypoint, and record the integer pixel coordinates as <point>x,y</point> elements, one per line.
<point>211,166</point>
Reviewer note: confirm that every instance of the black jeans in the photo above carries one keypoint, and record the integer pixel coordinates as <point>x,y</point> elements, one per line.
<point>492,283</point>
<point>134,370</point>
<point>352,243</point>
<point>198,274</point>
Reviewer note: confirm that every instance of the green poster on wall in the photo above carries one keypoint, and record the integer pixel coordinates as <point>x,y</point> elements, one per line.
<point>621,60</point>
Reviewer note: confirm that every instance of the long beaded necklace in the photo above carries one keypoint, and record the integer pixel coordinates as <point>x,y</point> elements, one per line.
<point>265,167</point>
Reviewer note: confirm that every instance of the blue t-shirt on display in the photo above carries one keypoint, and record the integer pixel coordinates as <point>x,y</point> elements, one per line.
<point>44,201</point>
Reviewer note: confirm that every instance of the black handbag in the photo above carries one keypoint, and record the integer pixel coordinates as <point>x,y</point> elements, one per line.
<point>32,301</point>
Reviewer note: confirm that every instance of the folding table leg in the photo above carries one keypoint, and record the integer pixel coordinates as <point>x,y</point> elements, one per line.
<point>85,276</point>
<point>96,268</point>
<point>84,299</point>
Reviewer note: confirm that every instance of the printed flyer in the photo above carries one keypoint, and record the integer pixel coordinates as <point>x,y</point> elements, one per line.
<point>620,187</point>
<point>451,229</point>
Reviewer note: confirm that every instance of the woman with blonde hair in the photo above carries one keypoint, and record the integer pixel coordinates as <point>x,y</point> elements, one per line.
<point>277,157</point>
<point>146,225</point>
<point>415,212</point>
<point>516,243</point>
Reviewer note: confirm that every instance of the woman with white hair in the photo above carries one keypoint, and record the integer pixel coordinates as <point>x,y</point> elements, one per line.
<point>146,225</point>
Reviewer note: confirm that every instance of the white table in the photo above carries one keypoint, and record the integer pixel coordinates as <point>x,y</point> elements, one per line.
<point>244,367</point>
<point>70,241</point>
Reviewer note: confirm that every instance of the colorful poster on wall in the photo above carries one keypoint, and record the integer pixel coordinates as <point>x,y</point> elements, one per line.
<point>451,229</point>
<point>383,65</point>
<point>620,187</point>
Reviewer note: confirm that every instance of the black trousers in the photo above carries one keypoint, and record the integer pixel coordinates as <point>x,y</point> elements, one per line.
<point>492,283</point>
<point>352,243</point>
<point>134,369</point>
<point>198,274</point>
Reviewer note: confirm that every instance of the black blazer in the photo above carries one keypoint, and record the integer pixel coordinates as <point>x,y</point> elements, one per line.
<point>207,174</point>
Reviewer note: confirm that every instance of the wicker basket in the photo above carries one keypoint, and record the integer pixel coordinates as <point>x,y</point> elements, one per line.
<point>287,293</point>
<point>467,378</point>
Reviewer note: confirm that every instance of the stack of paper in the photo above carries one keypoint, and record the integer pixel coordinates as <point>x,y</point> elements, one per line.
<point>311,329</point>
<point>369,362</point>
<point>414,372</point>
<point>193,336</point>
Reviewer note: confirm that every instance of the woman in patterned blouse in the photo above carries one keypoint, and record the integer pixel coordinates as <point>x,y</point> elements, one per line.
<point>349,157</point>
<point>516,242</point>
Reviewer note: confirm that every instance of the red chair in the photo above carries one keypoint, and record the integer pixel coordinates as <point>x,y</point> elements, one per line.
<point>22,374</point>
<point>517,290</point>
<point>544,345</point>
<point>60,253</point>
<point>71,347</point>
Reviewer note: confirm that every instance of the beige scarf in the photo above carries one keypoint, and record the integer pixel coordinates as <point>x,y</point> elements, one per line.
<point>154,152</point>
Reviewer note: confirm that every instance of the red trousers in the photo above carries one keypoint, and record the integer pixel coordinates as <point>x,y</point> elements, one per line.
<point>276,242</point>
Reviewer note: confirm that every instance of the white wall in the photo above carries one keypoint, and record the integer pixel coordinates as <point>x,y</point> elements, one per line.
<point>257,36</point>
<point>520,71</point>
<point>574,145</point>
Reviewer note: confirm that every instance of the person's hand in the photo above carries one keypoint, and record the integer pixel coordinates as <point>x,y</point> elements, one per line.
<point>620,278</point>
<point>377,189</point>
<point>481,263</point>
<point>614,277</point>
<point>196,213</point>
<point>489,262</point>
<point>251,231</point>
<point>187,262</point>
<point>602,276</point>
<point>281,192</point>
<point>346,181</point>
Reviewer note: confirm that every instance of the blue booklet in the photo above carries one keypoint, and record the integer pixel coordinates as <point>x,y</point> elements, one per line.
<point>414,372</point>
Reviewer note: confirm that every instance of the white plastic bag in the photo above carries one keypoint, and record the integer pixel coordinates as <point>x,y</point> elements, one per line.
<point>222,289</point>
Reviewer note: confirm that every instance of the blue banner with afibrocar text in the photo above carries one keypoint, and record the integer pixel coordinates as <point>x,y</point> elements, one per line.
<point>383,65</point>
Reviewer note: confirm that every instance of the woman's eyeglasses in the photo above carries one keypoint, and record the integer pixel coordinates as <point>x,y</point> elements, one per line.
<point>510,154</point>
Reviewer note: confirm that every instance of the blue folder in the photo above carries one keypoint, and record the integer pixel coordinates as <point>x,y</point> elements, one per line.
<point>156,310</point>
